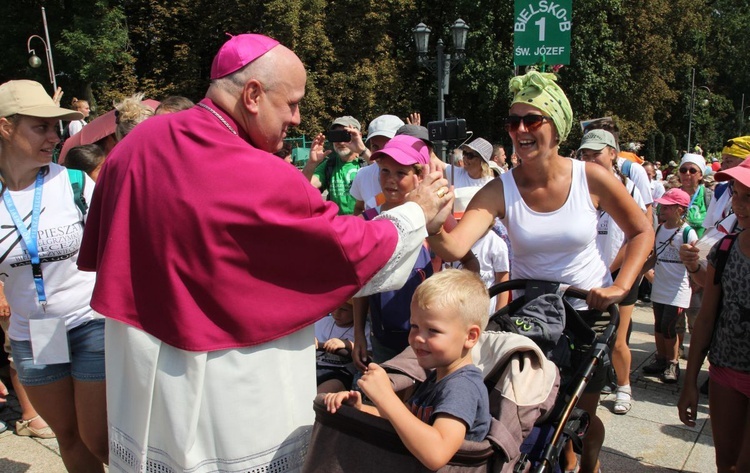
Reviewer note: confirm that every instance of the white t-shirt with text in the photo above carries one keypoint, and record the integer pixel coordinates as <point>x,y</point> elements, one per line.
<point>671,284</point>
<point>67,289</point>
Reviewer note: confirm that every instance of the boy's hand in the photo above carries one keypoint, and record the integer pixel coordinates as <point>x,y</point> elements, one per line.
<point>350,398</point>
<point>334,344</point>
<point>360,355</point>
<point>375,383</point>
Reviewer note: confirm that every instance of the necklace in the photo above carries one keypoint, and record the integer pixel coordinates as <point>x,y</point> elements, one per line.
<point>216,114</point>
<point>333,327</point>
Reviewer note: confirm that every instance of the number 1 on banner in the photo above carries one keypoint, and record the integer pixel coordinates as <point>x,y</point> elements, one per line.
<point>541,22</point>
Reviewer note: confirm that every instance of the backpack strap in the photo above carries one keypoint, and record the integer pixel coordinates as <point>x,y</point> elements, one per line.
<point>707,195</point>
<point>722,255</point>
<point>66,133</point>
<point>686,234</point>
<point>78,183</point>
<point>656,233</point>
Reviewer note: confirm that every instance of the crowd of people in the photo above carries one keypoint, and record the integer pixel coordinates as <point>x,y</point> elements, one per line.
<point>180,300</point>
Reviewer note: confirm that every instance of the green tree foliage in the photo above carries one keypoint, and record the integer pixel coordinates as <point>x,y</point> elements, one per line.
<point>95,46</point>
<point>670,148</point>
<point>649,150</point>
<point>595,76</point>
<point>479,87</point>
<point>728,53</point>
<point>658,145</point>
<point>363,71</point>
<point>631,59</point>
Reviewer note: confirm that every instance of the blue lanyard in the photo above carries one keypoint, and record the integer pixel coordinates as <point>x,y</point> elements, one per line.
<point>30,235</point>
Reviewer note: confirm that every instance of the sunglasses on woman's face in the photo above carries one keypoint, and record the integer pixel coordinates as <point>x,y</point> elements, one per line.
<point>530,122</point>
<point>688,170</point>
<point>470,155</point>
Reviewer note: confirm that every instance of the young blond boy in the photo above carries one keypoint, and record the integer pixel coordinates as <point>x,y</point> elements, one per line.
<point>448,312</point>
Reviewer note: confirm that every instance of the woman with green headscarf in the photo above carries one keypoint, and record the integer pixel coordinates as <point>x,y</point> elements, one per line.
<point>549,205</point>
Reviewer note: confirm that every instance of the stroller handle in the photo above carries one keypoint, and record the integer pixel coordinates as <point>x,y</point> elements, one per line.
<point>342,352</point>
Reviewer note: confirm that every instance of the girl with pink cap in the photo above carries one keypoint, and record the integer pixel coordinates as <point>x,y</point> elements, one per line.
<point>670,293</point>
<point>403,162</point>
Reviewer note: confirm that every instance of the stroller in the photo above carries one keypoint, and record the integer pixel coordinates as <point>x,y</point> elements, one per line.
<point>581,348</point>
<point>532,414</point>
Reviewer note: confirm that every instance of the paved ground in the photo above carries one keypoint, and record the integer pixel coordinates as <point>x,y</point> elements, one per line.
<point>650,438</point>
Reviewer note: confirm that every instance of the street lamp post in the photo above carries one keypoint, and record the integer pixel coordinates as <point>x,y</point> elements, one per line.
<point>442,64</point>
<point>692,106</point>
<point>35,61</point>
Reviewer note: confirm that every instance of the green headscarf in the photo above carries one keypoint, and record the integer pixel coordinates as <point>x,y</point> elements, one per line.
<point>541,91</point>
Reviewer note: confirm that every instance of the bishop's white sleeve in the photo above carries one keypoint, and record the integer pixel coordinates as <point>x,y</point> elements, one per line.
<point>410,223</point>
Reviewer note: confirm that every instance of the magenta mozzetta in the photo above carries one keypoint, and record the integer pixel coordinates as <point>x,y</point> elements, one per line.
<point>160,279</point>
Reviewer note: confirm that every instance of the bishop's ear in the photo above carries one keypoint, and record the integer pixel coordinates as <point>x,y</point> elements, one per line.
<point>252,94</point>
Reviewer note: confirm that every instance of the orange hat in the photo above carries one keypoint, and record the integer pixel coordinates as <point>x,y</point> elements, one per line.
<point>630,156</point>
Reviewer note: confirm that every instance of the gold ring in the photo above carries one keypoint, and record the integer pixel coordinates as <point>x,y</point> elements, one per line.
<point>441,192</point>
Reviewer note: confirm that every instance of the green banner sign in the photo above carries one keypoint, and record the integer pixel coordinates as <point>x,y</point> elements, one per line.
<point>542,32</point>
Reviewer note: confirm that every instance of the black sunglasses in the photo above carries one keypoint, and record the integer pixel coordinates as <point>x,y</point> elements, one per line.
<point>688,170</point>
<point>530,122</point>
<point>470,155</point>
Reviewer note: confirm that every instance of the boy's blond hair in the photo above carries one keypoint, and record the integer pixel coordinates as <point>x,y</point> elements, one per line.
<point>459,290</point>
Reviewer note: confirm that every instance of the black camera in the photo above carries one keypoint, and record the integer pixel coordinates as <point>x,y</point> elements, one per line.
<point>338,136</point>
<point>450,129</point>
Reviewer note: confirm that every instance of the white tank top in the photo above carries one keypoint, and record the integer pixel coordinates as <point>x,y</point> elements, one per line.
<point>559,245</point>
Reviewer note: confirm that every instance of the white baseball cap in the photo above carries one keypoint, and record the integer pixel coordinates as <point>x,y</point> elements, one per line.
<point>384,125</point>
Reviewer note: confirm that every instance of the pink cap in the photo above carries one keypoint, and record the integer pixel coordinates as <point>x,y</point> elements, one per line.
<point>406,150</point>
<point>739,173</point>
<point>674,196</point>
<point>240,51</point>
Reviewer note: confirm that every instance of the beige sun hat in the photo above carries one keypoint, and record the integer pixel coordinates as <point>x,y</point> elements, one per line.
<point>26,97</point>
